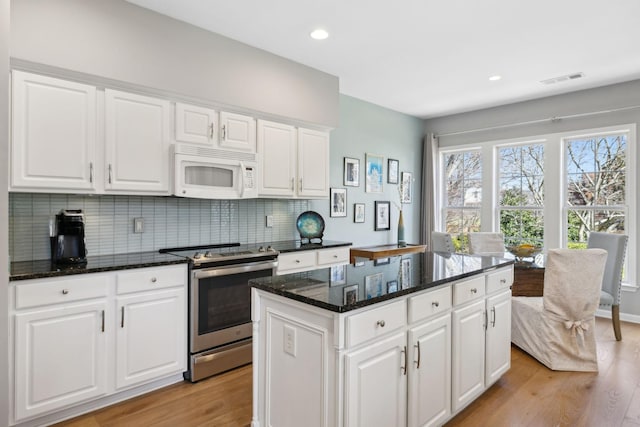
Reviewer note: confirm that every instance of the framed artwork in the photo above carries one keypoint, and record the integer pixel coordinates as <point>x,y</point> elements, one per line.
<point>358,264</point>
<point>373,182</point>
<point>382,261</point>
<point>383,211</point>
<point>406,187</point>
<point>392,171</point>
<point>338,275</point>
<point>405,273</point>
<point>338,201</point>
<point>373,285</point>
<point>350,295</point>
<point>392,286</point>
<point>358,212</point>
<point>351,172</point>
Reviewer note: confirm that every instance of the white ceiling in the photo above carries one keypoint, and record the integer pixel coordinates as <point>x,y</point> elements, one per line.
<point>432,58</point>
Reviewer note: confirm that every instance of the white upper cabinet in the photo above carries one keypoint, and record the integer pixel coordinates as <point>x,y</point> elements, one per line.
<point>136,143</point>
<point>293,162</point>
<point>277,154</point>
<point>313,163</point>
<point>237,132</point>
<point>54,134</point>
<point>197,125</point>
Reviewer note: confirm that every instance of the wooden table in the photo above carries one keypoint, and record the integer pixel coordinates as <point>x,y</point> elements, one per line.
<point>528,280</point>
<point>384,251</point>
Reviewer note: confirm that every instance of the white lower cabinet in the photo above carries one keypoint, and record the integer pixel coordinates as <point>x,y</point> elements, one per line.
<point>295,262</point>
<point>72,346</point>
<point>415,360</point>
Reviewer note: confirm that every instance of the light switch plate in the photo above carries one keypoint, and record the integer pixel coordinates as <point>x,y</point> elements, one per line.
<point>269,221</point>
<point>138,225</point>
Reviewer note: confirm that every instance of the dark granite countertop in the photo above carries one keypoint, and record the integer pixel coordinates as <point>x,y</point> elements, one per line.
<point>346,288</point>
<point>24,270</point>
<point>285,246</point>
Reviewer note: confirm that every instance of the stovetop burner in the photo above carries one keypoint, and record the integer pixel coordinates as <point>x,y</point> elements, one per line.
<point>204,254</point>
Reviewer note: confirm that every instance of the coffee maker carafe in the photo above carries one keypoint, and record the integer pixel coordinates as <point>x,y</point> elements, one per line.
<point>67,238</point>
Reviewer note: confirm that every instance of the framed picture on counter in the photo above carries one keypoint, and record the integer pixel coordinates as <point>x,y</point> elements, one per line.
<point>351,172</point>
<point>392,286</point>
<point>338,275</point>
<point>405,273</point>
<point>338,200</point>
<point>350,294</point>
<point>373,285</point>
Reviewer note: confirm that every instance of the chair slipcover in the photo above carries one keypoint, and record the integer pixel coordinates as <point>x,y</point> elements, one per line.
<point>558,328</point>
<point>615,245</point>
<point>442,242</point>
<point>482,243</point>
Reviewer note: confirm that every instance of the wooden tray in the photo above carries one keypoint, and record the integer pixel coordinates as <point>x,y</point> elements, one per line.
<point>384,251</point>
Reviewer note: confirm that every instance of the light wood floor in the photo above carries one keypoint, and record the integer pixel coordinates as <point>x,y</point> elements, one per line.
<point>528,395</point>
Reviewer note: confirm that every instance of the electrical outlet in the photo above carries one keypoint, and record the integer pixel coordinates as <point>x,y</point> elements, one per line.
<point>269,221</point>
<point>290,340</point>
<point>138,225</point>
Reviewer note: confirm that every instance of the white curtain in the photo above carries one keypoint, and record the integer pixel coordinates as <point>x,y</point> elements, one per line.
<point>429,180</point>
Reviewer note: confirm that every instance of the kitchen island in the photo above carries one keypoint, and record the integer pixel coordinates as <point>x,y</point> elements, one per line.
<point>404,341</point>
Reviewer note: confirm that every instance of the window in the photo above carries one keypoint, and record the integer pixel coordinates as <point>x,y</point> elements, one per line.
<point>595,173</point>
<point>521,193</point>
<point>462,194</point>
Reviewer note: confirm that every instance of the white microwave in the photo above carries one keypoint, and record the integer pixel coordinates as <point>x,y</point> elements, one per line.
<point>210,173</point>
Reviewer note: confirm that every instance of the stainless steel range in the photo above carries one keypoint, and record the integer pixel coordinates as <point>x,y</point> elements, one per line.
<point>220,303</point>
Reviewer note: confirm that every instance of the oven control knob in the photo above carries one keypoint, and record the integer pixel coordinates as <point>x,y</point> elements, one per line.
<point>208,254</point>
<point>197,255</point>
<point>270,249</point>
<point>261,249</point>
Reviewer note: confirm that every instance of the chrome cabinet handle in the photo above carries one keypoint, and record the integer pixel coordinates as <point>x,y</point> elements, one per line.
<point>224,131</point>
<point>300,184</point>
<point>485,320</point>
<point>154,280</point>
<point>503,281</point>
<point>381,323</point>
<point>109,173</point>
<point>335,256</point>
<point>474,290</point>
<point>297,261</point>
<point>211,130</point>
<point>91,172</point>
<point>417,362</point>
<point>404,368</point>
<point>292,183</point>
<point>435,304</point>
<point>65,291</point>
<point>122,316</point>
<point>102,320</point>
<point>493,317</point>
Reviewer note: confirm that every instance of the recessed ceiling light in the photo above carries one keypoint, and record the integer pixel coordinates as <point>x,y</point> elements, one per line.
<point>319,34</point>
<point>495,78</point>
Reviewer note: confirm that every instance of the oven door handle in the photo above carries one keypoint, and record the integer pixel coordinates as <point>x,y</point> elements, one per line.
<point>234,269</point>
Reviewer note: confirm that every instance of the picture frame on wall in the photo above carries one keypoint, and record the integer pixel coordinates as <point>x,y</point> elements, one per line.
<point>383,216</point>
<point>350,295</point>
<point>405,273</point>
<point>374,173</point>
<point>392,171</point>
<point>338,275</point>
<point>406,187</point>
<point>351,172</point>
<point>358,212</point>
<point>373,285</point>
<point>338,202</point>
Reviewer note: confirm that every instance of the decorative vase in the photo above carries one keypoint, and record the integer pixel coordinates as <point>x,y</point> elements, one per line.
<point>401,242</point>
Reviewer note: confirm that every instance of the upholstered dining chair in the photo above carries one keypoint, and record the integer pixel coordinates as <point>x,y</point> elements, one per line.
<point>615,245</point>
<point>558,328</point>
<point>483,243</point>
<point>441,242</point>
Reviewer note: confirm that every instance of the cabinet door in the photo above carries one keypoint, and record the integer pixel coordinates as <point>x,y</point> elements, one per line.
<point>237,132</point>
<point>196,124</point>
<point>313,163</point>
<point>376,384</point>
<point>151,336</point>
<point>60,357</point>
<point>498,336</point>
<point>468,353</point>
<point>429,401</point>
<point>53,134</point>
<point>136,143</point>
<point>277,154</point>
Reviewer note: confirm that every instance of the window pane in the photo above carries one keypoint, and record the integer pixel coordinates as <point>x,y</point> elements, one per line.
<point>581,221</point>
<point>454,193</point>
<point>472,193</point>
<point>522,226</point>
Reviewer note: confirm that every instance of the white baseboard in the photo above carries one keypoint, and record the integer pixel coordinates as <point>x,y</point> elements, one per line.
<point>625,317</point>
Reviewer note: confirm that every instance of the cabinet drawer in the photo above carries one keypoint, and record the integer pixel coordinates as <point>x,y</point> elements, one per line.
<point>375,322</point>
<point>500,279</point>
<point>60,290</point>
<point>333,256</point>
<point>296,261</point>
<point>429,303</point>
<point>468,290</point>
<point>145,279</point>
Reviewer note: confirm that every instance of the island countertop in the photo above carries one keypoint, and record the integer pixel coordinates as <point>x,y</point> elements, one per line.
<point>345,288</point>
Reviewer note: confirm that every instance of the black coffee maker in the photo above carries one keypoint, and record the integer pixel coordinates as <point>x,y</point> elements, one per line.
<point>67,238</point>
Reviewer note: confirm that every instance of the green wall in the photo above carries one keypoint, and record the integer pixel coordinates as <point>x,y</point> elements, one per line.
<point>368,128</point>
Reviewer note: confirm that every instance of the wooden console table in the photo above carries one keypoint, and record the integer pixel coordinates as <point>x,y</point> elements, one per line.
<point>528,281</point>
<point>384,251</point>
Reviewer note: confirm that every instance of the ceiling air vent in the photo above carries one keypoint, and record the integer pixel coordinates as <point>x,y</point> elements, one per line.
<point>561,79</point>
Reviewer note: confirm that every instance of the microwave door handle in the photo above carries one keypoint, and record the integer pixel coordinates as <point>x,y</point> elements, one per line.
<point>241,180</point>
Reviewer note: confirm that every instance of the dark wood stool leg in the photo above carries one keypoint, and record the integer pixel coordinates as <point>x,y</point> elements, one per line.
<point>615,317</point>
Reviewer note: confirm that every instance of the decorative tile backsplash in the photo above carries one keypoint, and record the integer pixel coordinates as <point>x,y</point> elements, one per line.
<point>168,222</point>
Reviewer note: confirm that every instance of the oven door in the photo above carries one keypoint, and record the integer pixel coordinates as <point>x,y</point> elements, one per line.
<point>221,303</point>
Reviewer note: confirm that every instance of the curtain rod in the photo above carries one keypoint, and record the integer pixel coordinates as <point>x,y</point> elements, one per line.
<point>554,119</point>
